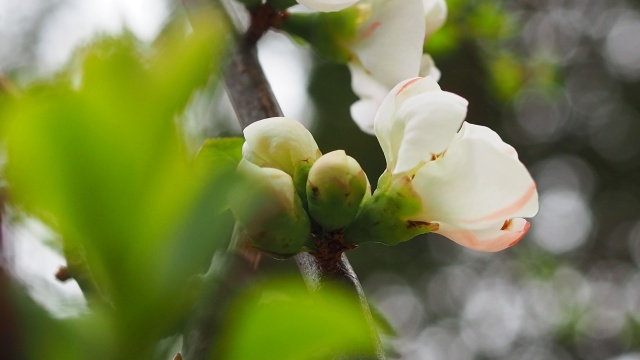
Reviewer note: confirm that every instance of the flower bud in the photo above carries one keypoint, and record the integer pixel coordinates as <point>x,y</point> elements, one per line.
<point>279,143</point>
<point>266,205</point>
<point>336,187</point>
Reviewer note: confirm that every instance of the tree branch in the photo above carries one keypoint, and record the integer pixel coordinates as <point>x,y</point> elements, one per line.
<point>253,100</point>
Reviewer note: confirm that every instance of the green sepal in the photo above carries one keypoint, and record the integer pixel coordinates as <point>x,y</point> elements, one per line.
<point>386,216</point>
<point>330,34</point>
<point>300,176</point>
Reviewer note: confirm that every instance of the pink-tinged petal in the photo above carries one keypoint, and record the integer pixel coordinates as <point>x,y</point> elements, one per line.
<point>435,12</point>
<point>389,129</point>
<point>327,5</point>
<point>390,42</point>
<point>477,131</point>
<point>432,121</point>
<point>476,184</point>
<point>489,240</point>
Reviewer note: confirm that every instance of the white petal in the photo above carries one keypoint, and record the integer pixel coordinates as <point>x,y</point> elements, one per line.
<point>432,120</point>
<point>490,240</point>
<point>279,143</point>
<point>428,68</point>
<point>327,5</point>
<point>476,185</point>
<point>435,12</point>
<point>388,129</point>
<point>270,183</point>
<point>391,40</point>
<point>371,94</point>
<point>477,131</point>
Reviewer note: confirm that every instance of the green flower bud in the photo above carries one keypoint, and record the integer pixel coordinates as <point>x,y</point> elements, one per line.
<point>269,210</point>
<point>336,187</point>
<point>385,216</point>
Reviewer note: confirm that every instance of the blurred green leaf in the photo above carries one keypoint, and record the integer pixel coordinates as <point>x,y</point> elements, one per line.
<point>443,41</point>
<point>507,75</point>
<point>218,155</point>
<point>489,20</point>
<point>102,162</point>
<point>282,320</point>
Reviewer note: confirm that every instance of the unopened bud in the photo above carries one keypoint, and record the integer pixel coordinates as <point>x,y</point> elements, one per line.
<point>269,210</point>
<point>279,143</point>
<point>335,188</point>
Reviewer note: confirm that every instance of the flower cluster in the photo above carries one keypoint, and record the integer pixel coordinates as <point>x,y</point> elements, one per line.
<point>443,175</point>
<point>289,182</point>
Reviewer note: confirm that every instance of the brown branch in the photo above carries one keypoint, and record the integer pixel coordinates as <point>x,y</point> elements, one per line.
<point>253,100</point>
<point>229,274</point>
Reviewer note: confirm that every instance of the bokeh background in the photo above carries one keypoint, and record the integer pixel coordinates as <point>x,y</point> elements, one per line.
<point>557,79</point>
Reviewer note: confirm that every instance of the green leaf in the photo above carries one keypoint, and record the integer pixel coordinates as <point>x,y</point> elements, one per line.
<point>282,320</point>
<point>102,162</point>
<point>217,155</point>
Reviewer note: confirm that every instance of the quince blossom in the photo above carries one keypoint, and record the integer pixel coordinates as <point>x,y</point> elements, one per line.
<point>388,50</point>
<point>471,186</point>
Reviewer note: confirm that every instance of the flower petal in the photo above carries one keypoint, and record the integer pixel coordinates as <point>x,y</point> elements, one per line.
<point>435,12</point>
<point>476,184</point>
<point>477,131</point>
<point>489,240</point>
<point>327,5</point>
<point>279,143</point>
<point>388,129</point>
<point>391,40</point>
<point>428,68</point>
<point>371,94</point>
<point>274,184</point>
<point>432,120</point>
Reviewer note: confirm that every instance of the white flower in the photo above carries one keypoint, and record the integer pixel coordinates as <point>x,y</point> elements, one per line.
<point>388,50</point>
<point>471,185</point>
<point>279,143</point>
<point>327,5</point>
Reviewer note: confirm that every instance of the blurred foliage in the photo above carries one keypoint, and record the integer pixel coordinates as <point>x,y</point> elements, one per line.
<point>96,154</point>
<point>491,27</point>
<point>282,320</point>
